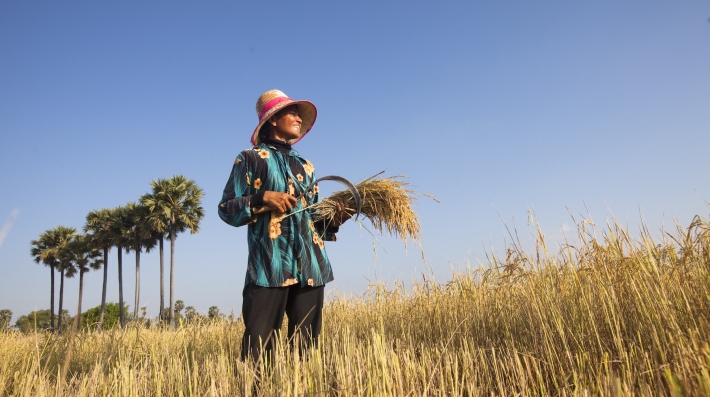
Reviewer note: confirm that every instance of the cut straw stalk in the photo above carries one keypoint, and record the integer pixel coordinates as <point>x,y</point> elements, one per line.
<point>386,202</point>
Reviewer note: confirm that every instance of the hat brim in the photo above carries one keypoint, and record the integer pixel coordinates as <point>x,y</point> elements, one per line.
<point>306,111</point>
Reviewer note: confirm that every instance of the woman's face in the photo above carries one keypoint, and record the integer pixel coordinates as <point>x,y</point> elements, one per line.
<point>286,124</point>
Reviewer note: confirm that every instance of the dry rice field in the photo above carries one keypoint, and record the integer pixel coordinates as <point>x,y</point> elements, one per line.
<point>605,314</point>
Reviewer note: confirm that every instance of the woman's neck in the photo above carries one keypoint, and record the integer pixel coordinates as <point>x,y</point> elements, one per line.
<point>281,146</point>
<point>276,138</point>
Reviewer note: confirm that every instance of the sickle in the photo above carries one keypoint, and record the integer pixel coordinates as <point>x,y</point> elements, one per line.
<point>340,179</point>
<point>343,181</point>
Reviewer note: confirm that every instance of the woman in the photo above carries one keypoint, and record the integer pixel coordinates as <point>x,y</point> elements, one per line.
<point>287,267</point>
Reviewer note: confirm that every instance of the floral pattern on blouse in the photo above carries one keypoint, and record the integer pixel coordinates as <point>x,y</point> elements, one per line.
<point>282,247</point>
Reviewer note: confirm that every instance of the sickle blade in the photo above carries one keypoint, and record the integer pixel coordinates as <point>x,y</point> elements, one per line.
<point>348,184</point>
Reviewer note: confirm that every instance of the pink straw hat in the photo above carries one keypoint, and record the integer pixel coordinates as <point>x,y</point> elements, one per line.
<point>270,102</point>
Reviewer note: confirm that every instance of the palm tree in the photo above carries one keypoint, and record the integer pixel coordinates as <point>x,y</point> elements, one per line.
<point>119,221</point>
<point>40,252</point>
<point>80,257</point>
<point>159,223</point>
<point>47,250</point>
<point>60,237</point>
<point>138,235</point>
<point>179,201</point>
<point>100,225</point>
<point>64,267</point>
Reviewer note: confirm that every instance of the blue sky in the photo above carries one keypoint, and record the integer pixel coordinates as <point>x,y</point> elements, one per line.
<point>493,107</point>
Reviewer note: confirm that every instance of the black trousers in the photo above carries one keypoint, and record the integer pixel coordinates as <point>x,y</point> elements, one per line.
<point>263,310</point>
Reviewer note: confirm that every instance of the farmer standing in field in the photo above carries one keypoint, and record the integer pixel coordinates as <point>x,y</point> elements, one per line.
<point>287,268</point>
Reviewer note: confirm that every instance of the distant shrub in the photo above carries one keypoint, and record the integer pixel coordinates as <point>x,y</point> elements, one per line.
<point>40,320</point>
<point>111,316</point>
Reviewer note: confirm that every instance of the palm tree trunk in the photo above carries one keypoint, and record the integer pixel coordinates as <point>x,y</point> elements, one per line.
<point>138,284</point>
<point>61,300</point>
<point>172,279</point>
<point>120,289</point>
<point>72,333</point>
<point>103,291</point>
<point>162,281</point>
<point>81,292</point>
<point>51,299</point>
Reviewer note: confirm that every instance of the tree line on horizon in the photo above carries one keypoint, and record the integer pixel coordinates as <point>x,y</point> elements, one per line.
<point>41,319</point>
<point>173,206</point>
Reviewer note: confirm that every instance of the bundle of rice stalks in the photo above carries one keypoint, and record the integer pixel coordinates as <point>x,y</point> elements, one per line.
<point>386,202</point>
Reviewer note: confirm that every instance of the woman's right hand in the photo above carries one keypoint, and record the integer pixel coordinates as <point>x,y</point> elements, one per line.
<point>280,202</point>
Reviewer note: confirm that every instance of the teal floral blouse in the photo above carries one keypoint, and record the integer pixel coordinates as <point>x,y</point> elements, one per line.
<point>284,249</point>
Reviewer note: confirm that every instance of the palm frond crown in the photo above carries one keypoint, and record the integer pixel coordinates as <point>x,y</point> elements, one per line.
<point>81,255</point>
<point>47,248</point>
<point>175,204</point>
<point>100,224</point>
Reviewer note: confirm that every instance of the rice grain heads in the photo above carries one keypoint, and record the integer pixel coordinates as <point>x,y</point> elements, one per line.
<point>386,202</point>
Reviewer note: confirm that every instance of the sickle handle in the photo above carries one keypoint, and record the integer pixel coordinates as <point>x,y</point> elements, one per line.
<point>339,179</point>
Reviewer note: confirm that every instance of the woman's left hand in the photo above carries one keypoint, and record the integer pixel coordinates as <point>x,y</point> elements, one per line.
<point>341,216</point>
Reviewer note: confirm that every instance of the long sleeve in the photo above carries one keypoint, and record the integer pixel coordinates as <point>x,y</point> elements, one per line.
<point>234,208</point>
<point>326,232</point>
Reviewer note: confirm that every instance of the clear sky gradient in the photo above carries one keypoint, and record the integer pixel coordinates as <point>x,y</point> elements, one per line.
<point>493,107</point>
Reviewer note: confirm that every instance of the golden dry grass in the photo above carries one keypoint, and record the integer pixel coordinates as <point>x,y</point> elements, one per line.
<point>608,315</point>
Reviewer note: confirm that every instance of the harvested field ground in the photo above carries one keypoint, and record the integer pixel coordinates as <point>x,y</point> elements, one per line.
<point>606,315</point>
